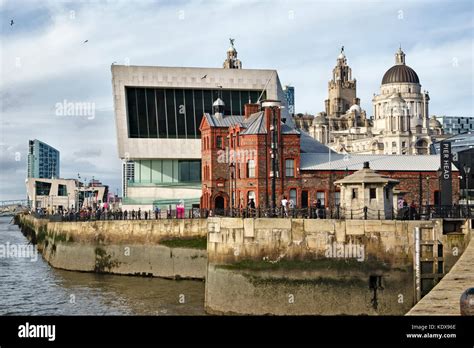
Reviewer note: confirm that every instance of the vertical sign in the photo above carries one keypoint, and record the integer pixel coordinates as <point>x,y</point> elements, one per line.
<point>446,185</point>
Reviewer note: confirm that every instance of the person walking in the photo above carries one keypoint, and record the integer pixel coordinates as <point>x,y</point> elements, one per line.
<point>284,205</point>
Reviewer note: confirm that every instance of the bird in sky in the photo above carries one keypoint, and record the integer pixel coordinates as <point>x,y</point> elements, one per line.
<point>86,41</point>
<point>12,22</point>
<point>202,78</point>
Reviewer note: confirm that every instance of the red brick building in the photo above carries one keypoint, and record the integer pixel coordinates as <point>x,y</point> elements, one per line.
<point>241,154</point>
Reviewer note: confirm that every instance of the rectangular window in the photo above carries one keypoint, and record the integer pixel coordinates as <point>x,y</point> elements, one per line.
<point>170,113</point>
<point>219,142</point>
<point>43,188</point>
<point>161,108</point>
<point>142,114</point>
<point>293,196</point>
<point>62,190</point>
<point>321,196</point>
<point>290,168</point>
<point>208,98</point>
<point>180,114</point>
<point>189,109</point>
<point>189,171</point>
<point>132,113</point>
<point>251,169</point>
<point>151,111</point>
<point>373,193</point>
<point>235,97</point>
<point>337,198</point>
<point>198,108</point>
<point>226,100</point>
<point>354,193</point>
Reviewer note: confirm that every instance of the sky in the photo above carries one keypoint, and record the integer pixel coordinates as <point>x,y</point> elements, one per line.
<point>45,61</point>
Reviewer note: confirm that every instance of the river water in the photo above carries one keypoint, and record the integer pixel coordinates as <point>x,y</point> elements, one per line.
<point>34,288</point>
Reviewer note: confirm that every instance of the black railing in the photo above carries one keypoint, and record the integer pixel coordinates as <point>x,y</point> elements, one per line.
<point>337,212</point>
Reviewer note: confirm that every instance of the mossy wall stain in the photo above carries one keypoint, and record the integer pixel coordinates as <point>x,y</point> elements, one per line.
<point>103,261</point>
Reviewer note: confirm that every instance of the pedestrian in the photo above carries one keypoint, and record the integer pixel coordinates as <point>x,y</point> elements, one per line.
<point>291,206</point>
<point>284,205</point>
<point>412,210</point>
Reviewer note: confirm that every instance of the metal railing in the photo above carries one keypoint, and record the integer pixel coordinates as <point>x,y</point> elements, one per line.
<point>337,212</point>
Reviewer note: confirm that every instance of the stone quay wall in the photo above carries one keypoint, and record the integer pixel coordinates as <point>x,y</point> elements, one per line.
<point>129,247</point>
<point>292,266</point>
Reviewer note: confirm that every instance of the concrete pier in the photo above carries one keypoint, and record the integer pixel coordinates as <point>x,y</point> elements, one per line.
<point>444,298</point>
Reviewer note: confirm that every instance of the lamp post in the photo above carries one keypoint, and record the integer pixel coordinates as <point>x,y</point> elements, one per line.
<point>232,178</point>
<point>467,170</point>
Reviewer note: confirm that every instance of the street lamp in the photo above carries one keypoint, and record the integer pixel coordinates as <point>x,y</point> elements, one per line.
<point>467,170</point>
<point>232,177</point>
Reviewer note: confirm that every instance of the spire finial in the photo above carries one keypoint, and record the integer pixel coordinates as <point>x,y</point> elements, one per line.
<point>400,56</point>
<point>231,42</point>
<point>342,49</point>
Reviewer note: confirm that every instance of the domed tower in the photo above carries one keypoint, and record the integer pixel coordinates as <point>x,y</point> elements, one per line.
<point>402,79</point>
<point>341,91</point>
<point>232,62</point>
<point>401,109</point>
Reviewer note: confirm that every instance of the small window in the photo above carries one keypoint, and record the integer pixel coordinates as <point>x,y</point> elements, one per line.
<point>251,169</point>
<point>219,142</point>
<point>320,195</point>
<point>293,195</point>
<point>62,190</point>
<point>337,198</point>
<point>354,193</point>
<point>373,193</point>
<point>290,168</point>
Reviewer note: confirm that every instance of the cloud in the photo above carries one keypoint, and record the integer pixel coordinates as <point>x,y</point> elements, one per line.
<point>44,60</point>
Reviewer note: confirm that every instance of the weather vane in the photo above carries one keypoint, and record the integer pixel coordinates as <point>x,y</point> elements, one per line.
<point>232,41</point>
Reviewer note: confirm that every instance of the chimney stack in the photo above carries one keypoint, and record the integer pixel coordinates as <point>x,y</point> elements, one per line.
<point>251,108</point>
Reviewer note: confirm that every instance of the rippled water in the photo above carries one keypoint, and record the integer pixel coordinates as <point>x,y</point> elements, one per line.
<point>35,288</point>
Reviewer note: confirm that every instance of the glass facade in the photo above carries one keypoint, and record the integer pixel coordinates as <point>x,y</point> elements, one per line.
<point>43,160</point>
<point>167,171</point>
<point>177,113</point>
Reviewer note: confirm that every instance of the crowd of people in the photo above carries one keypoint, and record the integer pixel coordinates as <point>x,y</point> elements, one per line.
<point>102,213</point>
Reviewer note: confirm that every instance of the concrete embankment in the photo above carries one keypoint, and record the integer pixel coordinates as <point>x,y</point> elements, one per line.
<point>444,298</point>
<point>172,248</point>
<point>308,267</point>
